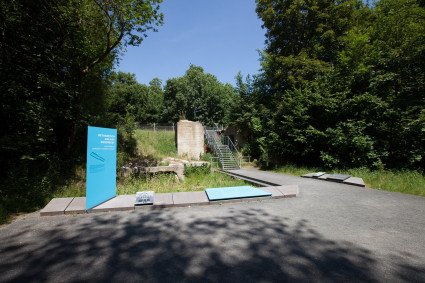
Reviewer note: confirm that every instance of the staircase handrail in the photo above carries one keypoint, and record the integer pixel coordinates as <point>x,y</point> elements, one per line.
<point>213,143</point>
<point>231,145</point>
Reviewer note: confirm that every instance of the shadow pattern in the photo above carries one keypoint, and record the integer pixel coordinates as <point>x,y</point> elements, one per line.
<point>159,246</point>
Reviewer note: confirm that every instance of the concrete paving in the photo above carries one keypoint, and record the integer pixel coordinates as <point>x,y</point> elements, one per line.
<point>118,203</point>
<point>345,179</point>
<point>356,181</point>
<point>288,191</point>
<point>56,206</point>
<point>163,200</point>
<point>126,202</point>
<point>77,206</point>
<point>274,191</point>
<point>330,232</point>
<point>190,198</point>
<point>324,176</point>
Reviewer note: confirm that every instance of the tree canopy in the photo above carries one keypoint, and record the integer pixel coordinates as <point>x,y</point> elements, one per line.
<point>54,62</point>
<point>198,96</point>
<point>342,84</point>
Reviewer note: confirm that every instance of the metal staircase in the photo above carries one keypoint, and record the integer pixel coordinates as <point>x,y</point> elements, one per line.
<point>223,148</point>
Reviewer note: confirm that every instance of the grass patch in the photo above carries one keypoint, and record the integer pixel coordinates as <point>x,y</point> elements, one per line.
<point>167,183</point>
<point>408,182</point>
<point>160,183</point>
<point>157,144</point>
<point>75,187</point>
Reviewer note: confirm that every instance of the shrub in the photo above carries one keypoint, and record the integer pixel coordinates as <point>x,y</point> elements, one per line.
<point>197,170</point>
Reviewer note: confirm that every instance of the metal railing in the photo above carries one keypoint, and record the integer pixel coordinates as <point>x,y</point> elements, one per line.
<point>228,141</point>
<point>222,147</point>
<point>157,127</point>
<point>216,127</point>
<point>213,143</point>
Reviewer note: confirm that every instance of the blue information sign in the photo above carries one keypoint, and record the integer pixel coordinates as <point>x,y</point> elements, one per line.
<point>101,165</point>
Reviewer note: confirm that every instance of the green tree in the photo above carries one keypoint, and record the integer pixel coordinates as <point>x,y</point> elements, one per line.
<point>342,85</point>
<point>127,96</point>
<point>55,56</point>
<point>198,96</point>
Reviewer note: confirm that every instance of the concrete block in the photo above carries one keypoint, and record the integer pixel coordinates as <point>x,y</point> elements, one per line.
<point>288,190</point>
<point>77,206</point>
<point>190,139</point>
<point>356,181</point>
<point>324,176</point>
<point>318,174</point>
<point>308,175</point>
<point>274,191</point>
<point>56,206</point>
<point>190,198</point>
<point>118,203</point>
<point>163,200</point>
<point>337,177</point>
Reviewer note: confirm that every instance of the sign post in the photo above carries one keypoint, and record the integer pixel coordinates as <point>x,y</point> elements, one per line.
<point>101,165</point>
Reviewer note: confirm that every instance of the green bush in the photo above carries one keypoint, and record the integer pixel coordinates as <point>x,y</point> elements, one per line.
<point>197,170</point>
<point>3,215</point>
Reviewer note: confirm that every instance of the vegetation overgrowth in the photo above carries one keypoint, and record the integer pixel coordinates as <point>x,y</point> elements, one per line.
<point>159,183</point>
<point>340,93</point>
<point>408,182</point>
<point>156,145</point>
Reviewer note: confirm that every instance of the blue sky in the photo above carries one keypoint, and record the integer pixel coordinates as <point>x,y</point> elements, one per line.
<point>222,36</point>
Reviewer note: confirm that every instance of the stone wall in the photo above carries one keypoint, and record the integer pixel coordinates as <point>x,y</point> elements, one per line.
<point>190,139</point>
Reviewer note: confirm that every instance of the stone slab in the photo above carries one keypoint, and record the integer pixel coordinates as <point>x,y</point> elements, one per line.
<point>190,198</point>
<point>163,200</point>
<point>338,177</point>
<point>56,206</point>
<point>308,175</point>
<point>356,181</point>
<point>324,176</point>
<point>274,191</point>
<point>318,174</point>
<point>118,203</point>
<point>77,206</point>
<point>289,190</point>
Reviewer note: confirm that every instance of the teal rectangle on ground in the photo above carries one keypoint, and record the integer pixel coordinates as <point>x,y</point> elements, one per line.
<point>235,193</point>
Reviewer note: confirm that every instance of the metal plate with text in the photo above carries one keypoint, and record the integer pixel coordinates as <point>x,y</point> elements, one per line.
<point>146,197</point>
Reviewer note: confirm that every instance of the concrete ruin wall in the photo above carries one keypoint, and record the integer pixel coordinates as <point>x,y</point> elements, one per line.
<point>190,139</point>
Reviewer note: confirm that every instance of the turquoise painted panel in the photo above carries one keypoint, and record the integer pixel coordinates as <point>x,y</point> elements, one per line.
<point>235,193</point>
<point>101,165</point>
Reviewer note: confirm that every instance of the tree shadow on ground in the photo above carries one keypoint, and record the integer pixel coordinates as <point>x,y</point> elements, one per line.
<point>160,246</point>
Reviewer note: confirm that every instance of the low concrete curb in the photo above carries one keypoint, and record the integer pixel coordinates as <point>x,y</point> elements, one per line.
<point>163,200</point>
<point>56,206</point>
<point>77,206</point>
<point>345,179</point>
<point>288,191</point>
<point>118,203</point>
<point>190,198</point>
<point>60,206</point>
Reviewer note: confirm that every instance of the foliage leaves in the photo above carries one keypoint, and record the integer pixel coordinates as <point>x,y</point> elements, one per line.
<point>342,85</point>
<point>54,61</point>
<point>198,96</point>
